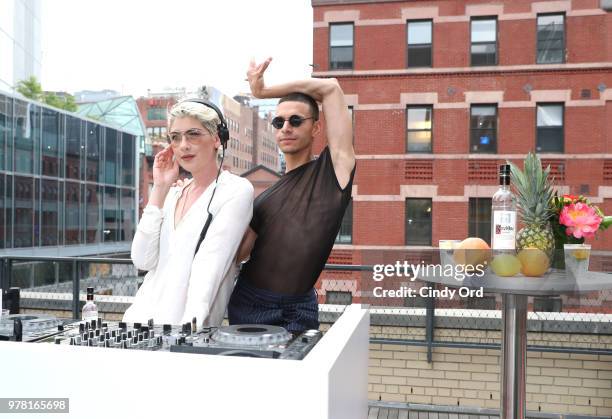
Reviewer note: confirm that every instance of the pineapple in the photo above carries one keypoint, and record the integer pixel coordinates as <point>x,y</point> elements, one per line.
<point>533,193</point>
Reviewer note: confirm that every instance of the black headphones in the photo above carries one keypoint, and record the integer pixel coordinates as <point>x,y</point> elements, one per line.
<point>222,127</point>
<point>223,133</point>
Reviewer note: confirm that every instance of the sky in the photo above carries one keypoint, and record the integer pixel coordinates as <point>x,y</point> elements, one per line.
<point>134,45</point>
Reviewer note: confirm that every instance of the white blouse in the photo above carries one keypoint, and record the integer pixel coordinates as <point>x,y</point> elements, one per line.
<point>178,286</point>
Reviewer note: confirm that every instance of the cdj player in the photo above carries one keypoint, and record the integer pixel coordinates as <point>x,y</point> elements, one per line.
<point>258,341</point>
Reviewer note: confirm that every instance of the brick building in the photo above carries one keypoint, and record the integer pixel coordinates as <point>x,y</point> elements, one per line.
<point>444,91</point>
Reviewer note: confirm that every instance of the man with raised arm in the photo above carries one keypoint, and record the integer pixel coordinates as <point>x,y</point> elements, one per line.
<point>295,221</point>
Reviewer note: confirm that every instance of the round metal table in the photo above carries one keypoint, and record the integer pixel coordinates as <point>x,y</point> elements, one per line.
<point>514,291</point>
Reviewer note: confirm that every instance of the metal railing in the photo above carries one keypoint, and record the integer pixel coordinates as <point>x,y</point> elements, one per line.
<point>430,315</point>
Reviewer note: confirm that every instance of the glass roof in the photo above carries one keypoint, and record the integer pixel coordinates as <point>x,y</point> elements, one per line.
<point>121,112</point>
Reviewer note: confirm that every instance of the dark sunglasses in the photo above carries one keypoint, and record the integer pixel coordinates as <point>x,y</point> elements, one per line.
<point>294,120</point>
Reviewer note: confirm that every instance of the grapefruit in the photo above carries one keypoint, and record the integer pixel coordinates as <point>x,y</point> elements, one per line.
<point>472,251</point>
<point>534,262</point>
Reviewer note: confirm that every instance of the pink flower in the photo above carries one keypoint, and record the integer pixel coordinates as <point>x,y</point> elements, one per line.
<point>580,220</point>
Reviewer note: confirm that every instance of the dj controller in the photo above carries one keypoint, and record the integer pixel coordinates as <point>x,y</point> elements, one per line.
<point>258,341</point>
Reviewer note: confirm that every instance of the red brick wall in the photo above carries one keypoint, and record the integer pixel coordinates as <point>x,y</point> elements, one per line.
<point>379,48</point>
<point>449,221</point>
<point>586,39</point>
<point>588,129</point>
<point>376,47</point>
<point>517,42</point>
<point>378,223</point>
<point>451,44</point>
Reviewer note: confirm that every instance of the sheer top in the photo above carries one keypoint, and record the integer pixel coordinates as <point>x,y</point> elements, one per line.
<point>296,221</point>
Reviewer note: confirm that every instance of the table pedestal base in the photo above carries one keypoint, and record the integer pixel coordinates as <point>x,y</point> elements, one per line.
<point>513,356</point>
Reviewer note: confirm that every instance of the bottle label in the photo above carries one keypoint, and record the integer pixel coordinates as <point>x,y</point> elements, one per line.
<point>90,312</point>
<point>504,230</point>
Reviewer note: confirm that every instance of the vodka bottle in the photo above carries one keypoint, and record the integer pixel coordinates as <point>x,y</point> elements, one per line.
<point>90,310</point>
<point>503,213</point>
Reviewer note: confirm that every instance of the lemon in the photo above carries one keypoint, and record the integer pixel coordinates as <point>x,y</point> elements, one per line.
<point>581,254</point>
<point>506,265</point>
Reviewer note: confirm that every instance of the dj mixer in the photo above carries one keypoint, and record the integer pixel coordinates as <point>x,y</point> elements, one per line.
<point>260,341</point>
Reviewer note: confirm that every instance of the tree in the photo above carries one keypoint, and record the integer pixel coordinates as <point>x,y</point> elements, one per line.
<point>63,102</point>
<point>32,89</point>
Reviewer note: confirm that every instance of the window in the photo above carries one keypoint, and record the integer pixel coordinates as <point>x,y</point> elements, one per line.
<point>479,218</point>
<point>93,203</point>
<point>127,156</point>
<point>49,212</point>
<point>419,129</point>
<point>484,42</point>
<point>24,212</point>
<point>341,46</point>
<point>345,235</point>
<point>50,142</point>
<point>111,156</point>
<point>419,44</point>
<point>72,213</point>
<point>551,39</point>
<point>73,148</point>
<point>418,221</point>
<point>111,214</point>
<point>156,114</point>
<point>343,298</point>
<point>483,127</point>
<point>550,128</point>
<point>128,221</point>
<point>94,146</point>
<point>27,131</point>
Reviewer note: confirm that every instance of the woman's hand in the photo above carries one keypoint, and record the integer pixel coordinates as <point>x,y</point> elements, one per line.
<point>165,168</point>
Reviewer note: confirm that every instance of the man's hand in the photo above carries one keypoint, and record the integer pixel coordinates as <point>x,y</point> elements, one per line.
<point>255,77</point>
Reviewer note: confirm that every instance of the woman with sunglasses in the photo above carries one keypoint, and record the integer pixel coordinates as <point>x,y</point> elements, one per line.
<point>187,279</point>
<point>295,221</point>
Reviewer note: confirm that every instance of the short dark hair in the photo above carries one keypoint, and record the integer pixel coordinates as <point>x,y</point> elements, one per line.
<point>304,98</point>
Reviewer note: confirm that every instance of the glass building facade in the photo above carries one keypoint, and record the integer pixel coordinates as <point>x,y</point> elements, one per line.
<point>64,180</point>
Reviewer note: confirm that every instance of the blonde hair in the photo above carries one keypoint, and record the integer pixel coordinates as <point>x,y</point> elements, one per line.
<point>207,116</point>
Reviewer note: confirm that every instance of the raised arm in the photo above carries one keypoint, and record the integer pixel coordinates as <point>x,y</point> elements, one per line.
<point>338,126</point>
<point>145,245</point>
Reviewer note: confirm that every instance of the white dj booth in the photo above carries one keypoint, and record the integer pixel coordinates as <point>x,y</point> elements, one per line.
<point>330,382</point>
